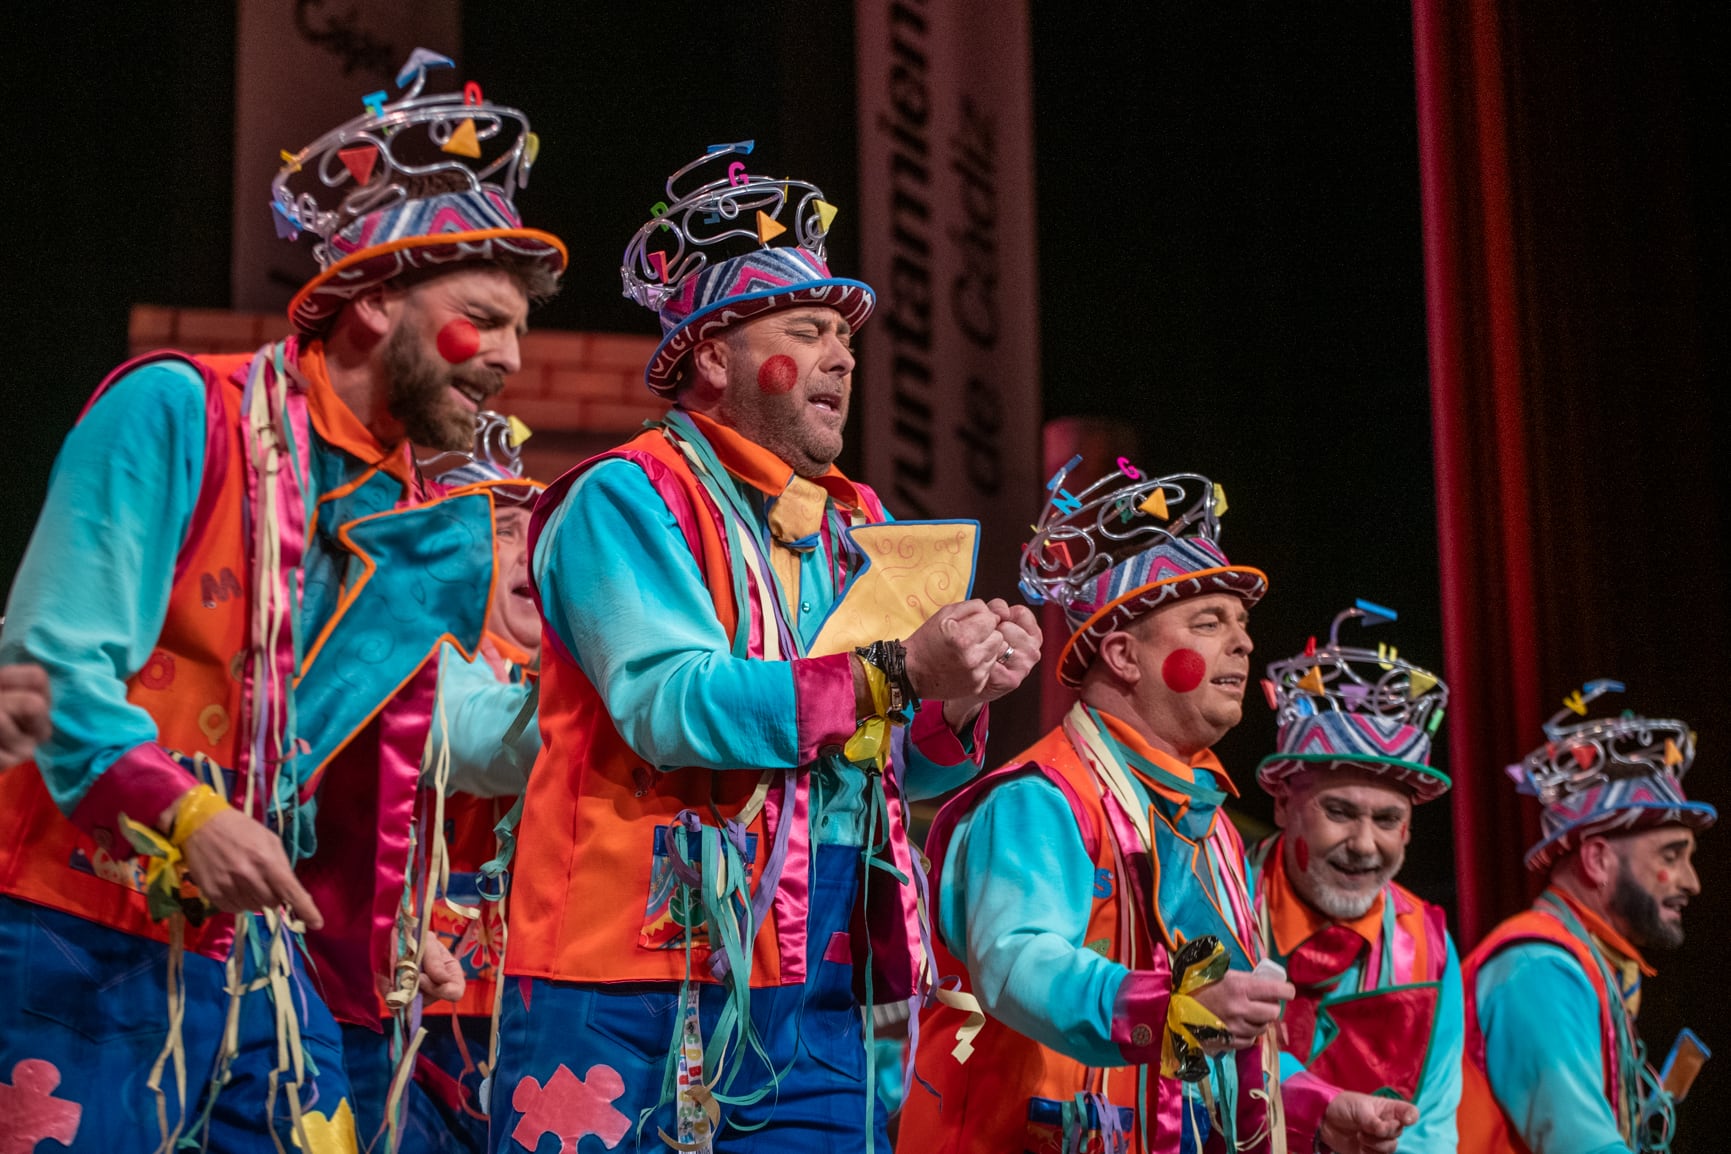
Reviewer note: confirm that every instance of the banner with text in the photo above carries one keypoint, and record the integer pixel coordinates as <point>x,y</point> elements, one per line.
<point>950,364</point>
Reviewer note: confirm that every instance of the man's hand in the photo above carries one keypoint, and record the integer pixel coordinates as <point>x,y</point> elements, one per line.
<point>1020,634</point>
<point>953,653</point>
<point>1247,1006</point>
<point>441,974</point>
<point>239,866</point>
<point>1361,1124</point>
<point>23,712</point>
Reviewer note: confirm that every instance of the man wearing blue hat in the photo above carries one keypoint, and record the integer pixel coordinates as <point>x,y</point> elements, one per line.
<point>238,589</point>
<point>1379,991</point>
<point>747,673</point>
<point>1553,1059</point>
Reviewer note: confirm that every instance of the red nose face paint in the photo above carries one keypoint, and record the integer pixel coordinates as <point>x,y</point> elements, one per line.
<point>778,374</point>
<point>1183,670</point>
<point>459,340</point>
<point>1301,853</point>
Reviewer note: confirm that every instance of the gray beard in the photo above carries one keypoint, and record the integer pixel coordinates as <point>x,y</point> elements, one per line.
<point>1339,904</point>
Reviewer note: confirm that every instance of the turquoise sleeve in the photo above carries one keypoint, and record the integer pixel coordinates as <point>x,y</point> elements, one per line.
<point>1439,1096</point>
<point>624,596</point>
<point>92,593</point>
<point>473,718</point>
<point>1014,897</point>
<point>1540,1020</point>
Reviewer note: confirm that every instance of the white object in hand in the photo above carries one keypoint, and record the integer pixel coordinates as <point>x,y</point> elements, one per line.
<point>1269,970</point>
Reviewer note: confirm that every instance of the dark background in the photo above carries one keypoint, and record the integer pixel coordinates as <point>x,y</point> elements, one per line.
<point>1230,260</point>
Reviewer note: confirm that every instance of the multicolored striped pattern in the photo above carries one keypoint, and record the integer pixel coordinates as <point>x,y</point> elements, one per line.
<point>1332,734</point>
<point>451,228</point>
<point>731,291</point>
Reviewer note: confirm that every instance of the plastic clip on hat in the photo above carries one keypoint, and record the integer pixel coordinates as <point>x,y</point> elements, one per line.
<point>668,269</point>
<point>423,182</point>
<point>1123,547</point>
<point>1369,708</point>
<point>1598,775</point>
<point>496,460</point>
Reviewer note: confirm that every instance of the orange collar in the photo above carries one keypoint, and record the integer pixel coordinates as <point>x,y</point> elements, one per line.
<point>1128,737</point>
<point>1294,920</point>
<point>337,423</point>
<point>762,469</point>
<point>1621,952</point>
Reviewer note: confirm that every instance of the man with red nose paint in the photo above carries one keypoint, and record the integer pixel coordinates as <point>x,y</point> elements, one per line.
<point>238,596</point>
<point>1554,1062</point>
<point>748,671</point>
<point>1378,1008</point>
<point>1100,985</point>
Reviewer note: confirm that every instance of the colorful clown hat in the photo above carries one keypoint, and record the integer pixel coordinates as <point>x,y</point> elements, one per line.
<point>1368,708</point>
<point>1607,774</point>
<point>495,460</point>
<point>1122,547</point>
<point>667,269</point>
<point>421,183</point>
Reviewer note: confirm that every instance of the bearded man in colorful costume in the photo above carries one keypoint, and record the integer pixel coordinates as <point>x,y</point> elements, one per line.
<point>1091,893</point>
<point>747,673</point>
<point>1379,990</point>
<point>1553,1059</point>
<point>238,589</point>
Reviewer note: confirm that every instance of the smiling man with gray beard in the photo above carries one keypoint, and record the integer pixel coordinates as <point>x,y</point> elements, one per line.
<point>1379,990</point>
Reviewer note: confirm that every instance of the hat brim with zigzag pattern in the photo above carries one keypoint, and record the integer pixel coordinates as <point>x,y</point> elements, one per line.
<point>1423,782</point>
<point>1084,643</point>
<point>853,299</point>
<point>325,295</point>
<point>1695,815</point>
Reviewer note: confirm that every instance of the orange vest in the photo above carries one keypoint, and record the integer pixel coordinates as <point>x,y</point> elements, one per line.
<point>596,816</point>
<point>1483,1125</point>
<point>987,1103</point>
<point>190,686</point>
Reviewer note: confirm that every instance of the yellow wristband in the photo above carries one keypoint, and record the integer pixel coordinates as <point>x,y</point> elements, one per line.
<point>197,806</point>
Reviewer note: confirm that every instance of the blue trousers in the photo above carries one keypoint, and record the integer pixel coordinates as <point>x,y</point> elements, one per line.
<point>610,1035</point>
<point>84,1017</point>
<point>433,1118</point>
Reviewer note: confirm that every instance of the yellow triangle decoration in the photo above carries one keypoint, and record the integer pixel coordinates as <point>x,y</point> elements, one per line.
<point>519,431</point>
<point>1312,682</point>
<point>463,141</point>
<point>825,213</point>
<point>531,148</point>
<point>1673,755</point>
<point>1219,500</point>
<point>1155,504</point>
<point>1419,683</point>
<point>767,228</point>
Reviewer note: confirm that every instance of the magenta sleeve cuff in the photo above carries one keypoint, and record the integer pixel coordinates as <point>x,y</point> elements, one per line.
<point>1305,1098</point>
<point>1139,1017</point>
<point>934,738</point>
<point>823,695</point>
<point>141,783</point>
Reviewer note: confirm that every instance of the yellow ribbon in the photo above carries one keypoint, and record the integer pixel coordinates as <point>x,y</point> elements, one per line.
<point>871,741</point>
<point>197,806</point>
<point>1185,1015</point>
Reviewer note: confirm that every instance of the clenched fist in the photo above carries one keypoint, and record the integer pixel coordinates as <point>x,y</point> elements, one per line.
<point>23,712</point>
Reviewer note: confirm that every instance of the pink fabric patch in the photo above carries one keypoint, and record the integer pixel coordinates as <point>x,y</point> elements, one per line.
<point>570,1108</point>
<point>823,703</point>
<point>840,948</point>
<point>142,783</point>
<point>30,1111</point>
<point>1139,1016</point>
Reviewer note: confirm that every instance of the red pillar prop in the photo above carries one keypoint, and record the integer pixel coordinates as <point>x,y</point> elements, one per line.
<point>1481,437</point>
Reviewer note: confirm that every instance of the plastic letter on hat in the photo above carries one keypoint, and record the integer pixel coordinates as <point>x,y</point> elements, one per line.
<point>1369,709</point>
<point>438,188</point>
<point>707,263</point>
<point>1107,570</point>
<point>1597,775</point>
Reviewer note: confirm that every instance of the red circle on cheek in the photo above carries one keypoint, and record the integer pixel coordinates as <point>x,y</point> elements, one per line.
<point>1664,878</point>
<point>459,340</point>
<point>778,374</point>
<point>1183,670</point>
<point>1301,853</point>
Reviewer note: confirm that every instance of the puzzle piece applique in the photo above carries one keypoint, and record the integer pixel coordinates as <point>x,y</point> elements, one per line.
<point>570,1108</point>
<point>29,1111</point>
<point>329,1134</point>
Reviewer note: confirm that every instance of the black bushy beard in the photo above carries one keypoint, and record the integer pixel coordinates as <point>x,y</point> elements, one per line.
<point>1640,911</point>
